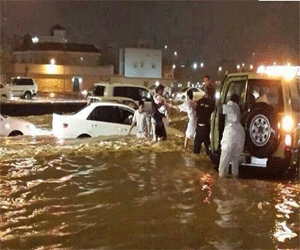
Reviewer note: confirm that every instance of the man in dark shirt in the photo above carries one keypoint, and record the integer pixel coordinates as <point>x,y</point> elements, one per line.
<point>205,106</point>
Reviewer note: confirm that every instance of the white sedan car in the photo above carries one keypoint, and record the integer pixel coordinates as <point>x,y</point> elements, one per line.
<point>96,119</point>
<point>10,126</point>
<point>182,95</point>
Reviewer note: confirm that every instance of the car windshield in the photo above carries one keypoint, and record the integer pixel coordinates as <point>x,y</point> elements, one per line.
<point>267,91</point>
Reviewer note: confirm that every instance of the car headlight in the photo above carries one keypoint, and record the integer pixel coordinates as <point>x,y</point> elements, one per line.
<point>287,123</point>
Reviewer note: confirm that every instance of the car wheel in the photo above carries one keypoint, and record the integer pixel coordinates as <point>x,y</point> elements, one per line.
<point>27,96</point>
<point>262,133</point>
<point>84,136</point>
<point>15,133</point>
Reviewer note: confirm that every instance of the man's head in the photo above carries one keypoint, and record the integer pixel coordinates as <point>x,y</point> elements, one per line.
<point>141,105</point>
<point>207,80</point>
<point>235,98</point>
<point>159,89</point>
<point>190,95</point>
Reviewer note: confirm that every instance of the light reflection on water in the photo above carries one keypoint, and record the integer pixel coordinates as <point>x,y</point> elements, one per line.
<point>128,193</point>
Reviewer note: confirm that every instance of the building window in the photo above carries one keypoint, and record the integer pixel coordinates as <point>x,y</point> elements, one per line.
<point>142,64</point>
<point>135,64</point>
<point>153,66</point>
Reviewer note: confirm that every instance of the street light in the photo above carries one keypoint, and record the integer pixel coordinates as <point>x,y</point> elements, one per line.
<point>202,65</point>
<point>166,46</point>
<point>52,61</point>
<point>243,64</point>
<point>174,66</point>
<point>238,66</point>
<point>175,53</point>
<point>220,69</point>
<point>195,65</point>
<point>251,67</point>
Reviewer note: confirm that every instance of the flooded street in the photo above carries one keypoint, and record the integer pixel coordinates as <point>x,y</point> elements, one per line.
<point>128,193</point>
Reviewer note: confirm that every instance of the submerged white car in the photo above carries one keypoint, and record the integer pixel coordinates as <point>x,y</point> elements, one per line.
<point>10,126</point>
<point>96,119</point>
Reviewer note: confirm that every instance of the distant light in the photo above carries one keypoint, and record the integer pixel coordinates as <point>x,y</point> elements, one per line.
<point>81,59</point>
<point>238,66</point>
<point>189,84</point>
<point>253,54</point>
<point>251,66</point>
<point>220,68</point>
<point>18,77</point>
<point>35,39</point>
<point>288,64</point>
<point>195,66</point>
<point>174,66</point>
<point>274,63</point>
<point>52,94</point>
<point>166,46</point>
<point>182,66</point>
<point>202,65</point>
<point>156,83</point>
<point>217,95</point>
<point>175,53</point>
<point>52,61</point>
<point>261,69</point>
<point>243,64</point>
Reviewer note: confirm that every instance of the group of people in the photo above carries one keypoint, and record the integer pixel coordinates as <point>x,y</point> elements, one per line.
<point>198,127</point>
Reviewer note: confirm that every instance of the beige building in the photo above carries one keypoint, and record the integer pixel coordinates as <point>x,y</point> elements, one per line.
<point>59,67</point>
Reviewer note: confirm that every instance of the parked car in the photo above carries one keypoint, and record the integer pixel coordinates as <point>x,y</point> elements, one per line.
<point>135,92</point>
<point>10,126</point>
<point>270,108</point>
<point>124,100</point>
<point>96,119</point>
<point>24,87</point>
<point>167,91</point>
<point>5,92</point>
<point>182,95</point>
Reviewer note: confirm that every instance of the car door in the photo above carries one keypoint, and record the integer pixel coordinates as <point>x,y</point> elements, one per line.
<point>102,121</point>
<point>237,86</point>
<point>124,120</point>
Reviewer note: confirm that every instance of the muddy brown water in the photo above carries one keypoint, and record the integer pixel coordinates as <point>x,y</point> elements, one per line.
<point>132,194</point>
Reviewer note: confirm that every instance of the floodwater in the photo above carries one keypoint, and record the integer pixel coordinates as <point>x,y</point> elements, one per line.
<point>127,193</point>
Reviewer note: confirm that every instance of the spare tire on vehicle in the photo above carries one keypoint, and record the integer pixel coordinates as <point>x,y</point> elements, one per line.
<point>262,133</point>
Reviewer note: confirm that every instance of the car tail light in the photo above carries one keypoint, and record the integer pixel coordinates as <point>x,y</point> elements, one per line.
<point>288,140</point>
<point>65,125</point>
<point>287,123</point>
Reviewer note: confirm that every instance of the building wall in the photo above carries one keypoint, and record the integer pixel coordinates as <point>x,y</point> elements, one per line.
<point>143,63</point>
<point>60,78</point>
<point>60,57</point>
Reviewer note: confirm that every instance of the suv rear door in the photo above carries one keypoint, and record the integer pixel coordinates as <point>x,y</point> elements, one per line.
<point>135,93</point>
<point>234,85</point>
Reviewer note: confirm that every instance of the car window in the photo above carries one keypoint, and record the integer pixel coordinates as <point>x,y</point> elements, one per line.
<point>104,114</point>
<point>294,97</point>
<point>125,116</point>
<point>144,94</point>
<point>22,82</point>
<point>194,89</point>
<point>236,87</point>
<point>99,90</point>
<point>264,90</point>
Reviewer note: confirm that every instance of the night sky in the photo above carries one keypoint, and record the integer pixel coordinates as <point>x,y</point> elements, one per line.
<point>202,31</point>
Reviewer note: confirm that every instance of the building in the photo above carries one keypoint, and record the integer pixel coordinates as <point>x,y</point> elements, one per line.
<point>140,63</point>
<point>57,65</point>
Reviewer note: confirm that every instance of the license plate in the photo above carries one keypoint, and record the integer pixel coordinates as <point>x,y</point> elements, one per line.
<point>261,162</point>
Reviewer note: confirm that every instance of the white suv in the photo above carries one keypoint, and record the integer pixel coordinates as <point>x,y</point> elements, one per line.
<point>24,87</point>
<point>135,92</point>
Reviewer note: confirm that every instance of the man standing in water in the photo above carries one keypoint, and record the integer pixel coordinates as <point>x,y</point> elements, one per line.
<point>159,110</point>
<point>205,106</point>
